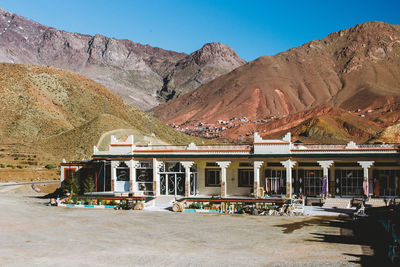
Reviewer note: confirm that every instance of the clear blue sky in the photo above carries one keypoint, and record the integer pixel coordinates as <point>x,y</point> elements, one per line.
<point>252,28</point>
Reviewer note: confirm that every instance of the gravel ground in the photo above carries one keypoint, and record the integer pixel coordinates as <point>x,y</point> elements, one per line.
<point>32,233</point>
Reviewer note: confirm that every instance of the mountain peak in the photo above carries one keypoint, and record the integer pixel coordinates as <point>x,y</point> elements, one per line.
<point>215,51</point>
<point>353,69</point>
<point>134,71</point>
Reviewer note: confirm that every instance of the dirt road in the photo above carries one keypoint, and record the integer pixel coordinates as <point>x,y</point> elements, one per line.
<point>34,234</point>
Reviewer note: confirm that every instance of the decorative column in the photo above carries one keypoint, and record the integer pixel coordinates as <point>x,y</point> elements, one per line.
<point>223,165</point>
<point>257,166</point>
<point>133,165</point>
<point>187,165</point>
<point>325,165</point>
<point>366,165</point>
<point>288,164</point>
<point>114,165</point>
<point>156,177</point>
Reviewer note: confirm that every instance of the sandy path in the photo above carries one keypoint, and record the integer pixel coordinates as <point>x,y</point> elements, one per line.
<point>33,233</point>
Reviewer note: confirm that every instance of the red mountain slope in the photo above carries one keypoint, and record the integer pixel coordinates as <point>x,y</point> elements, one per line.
<point>350,69</point>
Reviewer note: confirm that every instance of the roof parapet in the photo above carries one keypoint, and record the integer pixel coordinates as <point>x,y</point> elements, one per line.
<point>282,146</point>
<point>351,145</point>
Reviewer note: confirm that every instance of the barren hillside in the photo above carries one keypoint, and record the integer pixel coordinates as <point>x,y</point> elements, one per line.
<point>142,75</point>
<point>351,69</point>
<point>356,70</point>
<point>62,113</point>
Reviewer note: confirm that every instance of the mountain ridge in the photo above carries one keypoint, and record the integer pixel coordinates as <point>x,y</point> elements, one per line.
<point>297,79</point>
<point>356,68</point>
<point>134,71</point>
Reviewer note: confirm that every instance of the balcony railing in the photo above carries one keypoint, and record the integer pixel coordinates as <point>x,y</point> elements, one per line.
<point>333,147</point>
<point>199,148</point>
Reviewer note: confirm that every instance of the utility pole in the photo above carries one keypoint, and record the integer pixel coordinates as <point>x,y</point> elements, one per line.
<point>147,125</point>
<point>152,122</point>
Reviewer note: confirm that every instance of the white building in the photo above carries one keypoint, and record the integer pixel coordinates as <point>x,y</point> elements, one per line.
<point>264,168</point>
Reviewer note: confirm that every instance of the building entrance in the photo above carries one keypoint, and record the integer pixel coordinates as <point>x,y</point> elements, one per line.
<point>172,179</point>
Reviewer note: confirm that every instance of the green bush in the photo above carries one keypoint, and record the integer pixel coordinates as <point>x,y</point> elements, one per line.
<point>70,185</point>
<point>20,167</point>
<point>112,202</point>
<point>50,166</point>
<point>88,201</point>
<point>2,165</point>
<point>195,205</point>
<point>88,185</point>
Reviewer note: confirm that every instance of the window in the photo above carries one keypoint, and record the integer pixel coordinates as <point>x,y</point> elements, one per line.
<point>122,172</point>
<point>275,181</point>
<point>312,182</point>
<point>211,164</point>
<point>212,177</point>
<point>350,181</point>
<point>246,178</point>
<point>144,175</point>
<point>245,164</point>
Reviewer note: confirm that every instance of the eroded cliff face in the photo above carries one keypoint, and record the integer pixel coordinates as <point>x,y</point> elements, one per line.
<point>141,74</point>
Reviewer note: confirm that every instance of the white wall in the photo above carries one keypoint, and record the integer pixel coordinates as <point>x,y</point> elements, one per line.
<point>231,181</point>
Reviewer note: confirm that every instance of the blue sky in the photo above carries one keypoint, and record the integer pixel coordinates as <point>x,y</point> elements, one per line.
<point>252,28</point>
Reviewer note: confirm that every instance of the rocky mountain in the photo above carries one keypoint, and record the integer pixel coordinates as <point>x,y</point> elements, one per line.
<point>198,68</point>
<point>142,75</point>
<point>356,70</point>
<point>62,113</point>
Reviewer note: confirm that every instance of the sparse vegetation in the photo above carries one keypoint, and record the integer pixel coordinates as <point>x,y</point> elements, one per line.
<point>50,166</point>
<point>72,133</point>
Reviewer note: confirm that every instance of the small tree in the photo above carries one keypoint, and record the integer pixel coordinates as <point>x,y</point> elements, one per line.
<point>70,185</point>
<point>88,184</point>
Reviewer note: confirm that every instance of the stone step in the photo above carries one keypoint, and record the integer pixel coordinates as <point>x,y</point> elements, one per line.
<point>164,201</point>
<point>339,203</point>
<point>376,202</point>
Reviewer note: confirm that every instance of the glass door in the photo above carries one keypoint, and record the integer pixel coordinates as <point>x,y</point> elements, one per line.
<point>172,179</point>
<point>171,184</point>
<point>193,184</point>
<point>180,184</point>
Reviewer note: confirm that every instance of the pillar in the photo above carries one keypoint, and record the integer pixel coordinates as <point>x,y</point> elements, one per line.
<point>133,165</point>
<point>114,165</point>
<point>366,165</point>
<point>187,165</point>
<point>288,164</point>
<point>257,166</point>
<point>156,177</point>
<point>325,165</point>
<point>223,165</point>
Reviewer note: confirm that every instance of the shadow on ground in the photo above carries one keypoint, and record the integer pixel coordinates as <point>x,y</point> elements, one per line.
<point>368,234</point>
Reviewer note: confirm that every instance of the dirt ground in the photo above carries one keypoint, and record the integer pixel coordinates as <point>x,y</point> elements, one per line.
<point>27,175</point>
<point>35,234</point>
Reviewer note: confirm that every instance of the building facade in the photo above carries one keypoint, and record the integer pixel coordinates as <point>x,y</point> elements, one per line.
<point>264,168</point>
